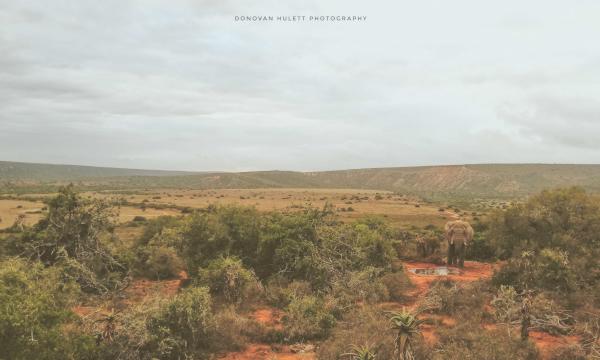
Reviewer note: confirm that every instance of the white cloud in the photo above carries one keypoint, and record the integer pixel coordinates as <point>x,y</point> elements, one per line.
<point>180,85</point>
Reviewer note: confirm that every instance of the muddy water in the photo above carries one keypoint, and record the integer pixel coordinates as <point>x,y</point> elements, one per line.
<point>436,271</point>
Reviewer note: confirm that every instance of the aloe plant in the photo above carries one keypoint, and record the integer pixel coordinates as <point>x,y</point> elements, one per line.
<point>406,326</point>
<point>364,352</point>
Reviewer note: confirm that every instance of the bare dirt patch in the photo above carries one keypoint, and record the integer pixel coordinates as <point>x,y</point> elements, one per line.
<point>472,271</point>
<point>269,317</point>
<point>267,352</point>
<point>143,289</point>
<point>547,343</point>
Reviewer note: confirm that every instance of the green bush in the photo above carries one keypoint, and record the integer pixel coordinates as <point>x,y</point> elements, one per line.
<point>448,297</point>
<point>480,248</point>
<point>227,277</point>
<point>359,287</point>
<point>76,233</point>
<point>307,318</point>
<point>222,231</point>
<point>183,327</point>
<point>163,262</point>
<point>364,325</point>
<point>398,284</point>
<point>158,256</point>
<point>280,292</point>
<point>34,311</point>
<point>554,226</point>
<point>467,340</point>
<point>549,269</point>
<point>232,330</point>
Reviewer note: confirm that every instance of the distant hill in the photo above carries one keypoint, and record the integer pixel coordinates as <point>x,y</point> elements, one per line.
<point>31,172</point>
<point>483,181</point>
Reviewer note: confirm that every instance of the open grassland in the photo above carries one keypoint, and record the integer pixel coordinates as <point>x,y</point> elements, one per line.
<point>350,204</point>
<point>32,211</point>
<point>10,210</point>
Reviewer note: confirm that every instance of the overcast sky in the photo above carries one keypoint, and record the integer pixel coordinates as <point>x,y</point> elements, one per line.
<point>182,85</point>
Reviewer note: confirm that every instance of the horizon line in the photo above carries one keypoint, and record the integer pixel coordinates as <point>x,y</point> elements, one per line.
<point>195,172</point>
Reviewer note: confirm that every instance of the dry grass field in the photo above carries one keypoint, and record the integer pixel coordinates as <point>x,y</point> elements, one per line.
<point>350,204</point>
<point>10,210</point>
<point>398,210</point>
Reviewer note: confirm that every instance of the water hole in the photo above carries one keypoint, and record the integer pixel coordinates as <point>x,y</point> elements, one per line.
<point>440,271</point>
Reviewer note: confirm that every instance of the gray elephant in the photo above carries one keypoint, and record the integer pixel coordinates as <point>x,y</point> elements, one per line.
<point>458,234</point>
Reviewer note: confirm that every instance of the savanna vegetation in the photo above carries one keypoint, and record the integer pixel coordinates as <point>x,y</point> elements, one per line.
<point>340,286</point>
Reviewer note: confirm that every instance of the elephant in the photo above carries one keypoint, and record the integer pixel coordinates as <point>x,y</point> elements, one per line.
<point>458,234</point>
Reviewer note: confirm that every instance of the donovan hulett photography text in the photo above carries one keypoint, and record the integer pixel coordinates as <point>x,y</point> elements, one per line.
<point>300,18</point>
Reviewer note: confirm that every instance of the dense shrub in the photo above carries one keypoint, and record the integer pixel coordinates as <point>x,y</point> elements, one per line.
<point>182,327</point>
<point>549,269</point>
<point>34,309</point>
<point>163,262</point>
<point>467,340</point>
<point>307,318</point>
<point>224,231</point>
<point>227,277</point>
<point>232,330</point>
<point>363,287</point>
<point>156,227</point>
<point>280,292</point>
<point>565,221</point>
<point>480,248</point>
<point>448,297</point>
<point>365,325</point>
<point>398,285</point>
<point>76,234</point>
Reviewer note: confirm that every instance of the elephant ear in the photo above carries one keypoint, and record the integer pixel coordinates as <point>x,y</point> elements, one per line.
<point>470,231</point>
<point>448,226</point>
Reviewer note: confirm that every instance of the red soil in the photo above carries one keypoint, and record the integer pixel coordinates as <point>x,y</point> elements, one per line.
<point>83,311</point>
<point>136,293</point>
<point>269,317</point>
<point>266,352</point>
<point>143,288</point>
<point>547,343</point>
<point>472,271</point>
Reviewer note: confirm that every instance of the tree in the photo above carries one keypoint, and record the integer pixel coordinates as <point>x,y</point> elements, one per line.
<point>73,235</point>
